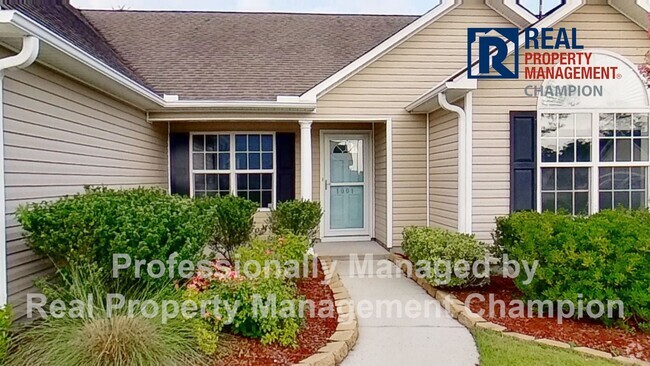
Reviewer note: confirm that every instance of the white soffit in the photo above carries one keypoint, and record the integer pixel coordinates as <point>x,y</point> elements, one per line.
<point>635,10</point>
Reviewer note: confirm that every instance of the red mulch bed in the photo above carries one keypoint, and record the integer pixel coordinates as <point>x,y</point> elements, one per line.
<point>251,352</point>
<point>581,332</point>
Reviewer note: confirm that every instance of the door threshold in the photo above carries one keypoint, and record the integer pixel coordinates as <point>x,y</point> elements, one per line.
<point>339,239</point>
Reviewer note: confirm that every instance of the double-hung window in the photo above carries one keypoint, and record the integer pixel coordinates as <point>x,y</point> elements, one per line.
<point>240,164</point>
<point>590,161</point>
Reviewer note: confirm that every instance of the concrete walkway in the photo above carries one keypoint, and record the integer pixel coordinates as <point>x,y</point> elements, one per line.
<point>400,324</point>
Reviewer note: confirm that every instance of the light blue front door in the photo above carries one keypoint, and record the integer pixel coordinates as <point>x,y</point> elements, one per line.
<point>346,185</point>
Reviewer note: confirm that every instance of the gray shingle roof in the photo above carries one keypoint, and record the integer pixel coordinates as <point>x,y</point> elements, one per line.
<point>239,56</point>
<point>217,55</point>
<point>67,22</point>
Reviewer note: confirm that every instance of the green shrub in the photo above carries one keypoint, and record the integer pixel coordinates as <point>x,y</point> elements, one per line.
<point>234,223</point>
<point>603,257</point>
<point>6,318</point>
<point>145,223</point>
<point>103,338</point>
<point>287,251</point>
<point>433,246</point>
<point>296,217</point>
<point>260,300</point>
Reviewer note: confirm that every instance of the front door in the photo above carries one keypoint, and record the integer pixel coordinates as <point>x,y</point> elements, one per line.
<point>346,182</point>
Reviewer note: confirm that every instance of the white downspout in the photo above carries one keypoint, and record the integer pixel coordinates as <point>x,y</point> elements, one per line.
<point>462,160</point>
<point>428,137</point>
<point>23,59</point>
<point>469,167</point>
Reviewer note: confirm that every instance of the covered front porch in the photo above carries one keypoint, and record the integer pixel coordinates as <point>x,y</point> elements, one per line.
<point>342,164</point>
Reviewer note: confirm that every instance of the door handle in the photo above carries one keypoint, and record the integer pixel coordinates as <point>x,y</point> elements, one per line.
<point>327,184</point>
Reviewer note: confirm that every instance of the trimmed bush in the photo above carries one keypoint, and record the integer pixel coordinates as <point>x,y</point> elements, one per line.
<point>103,338</point>
<point>296,217</point>
<point>260,300</point>
<point>431,246</point>
<point>6,318</point>
<point>603,257</point>
<point>285,251</point>
<point>234,223</point>
<point>145,223</point>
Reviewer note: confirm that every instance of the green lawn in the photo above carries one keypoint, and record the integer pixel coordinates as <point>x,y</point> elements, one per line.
<point>499,350</point>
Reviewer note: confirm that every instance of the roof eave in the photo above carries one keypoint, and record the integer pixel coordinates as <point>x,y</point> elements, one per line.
<point>429,102</point>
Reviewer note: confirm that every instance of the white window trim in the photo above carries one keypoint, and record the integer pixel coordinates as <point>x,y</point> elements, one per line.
<point>233,171</point>
<point>594,164</point>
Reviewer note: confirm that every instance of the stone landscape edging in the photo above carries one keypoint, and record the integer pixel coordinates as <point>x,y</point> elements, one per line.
<point>345,337</point>
<point>471,320</point>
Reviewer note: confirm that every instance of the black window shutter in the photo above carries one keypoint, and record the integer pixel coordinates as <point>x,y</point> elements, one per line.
<point>285,145</point>
<point>179,165</point>
<point>523,165</point>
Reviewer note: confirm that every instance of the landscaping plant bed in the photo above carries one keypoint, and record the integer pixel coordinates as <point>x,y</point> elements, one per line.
<point>243,351</point>
<point>579,332</point>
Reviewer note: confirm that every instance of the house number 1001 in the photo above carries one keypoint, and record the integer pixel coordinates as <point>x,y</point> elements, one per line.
<point>347,190</point>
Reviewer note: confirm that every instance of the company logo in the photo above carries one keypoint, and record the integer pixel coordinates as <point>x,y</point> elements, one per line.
<point>548,54</point>
<point>492,52</point>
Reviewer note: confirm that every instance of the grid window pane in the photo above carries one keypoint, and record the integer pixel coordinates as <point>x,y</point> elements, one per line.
<point>267,143</point>
<point>625,137</point>
<point>211,184</point>
<point>198,143</point>
<point>565,190</point>
<point>256,187</point>
<point>640,124</point>
<point>566,137</point>
<point>198,161</point>
<point>623,187</point>
<point>211,143</point>
<point>211,152</point>
<point>212,165</point>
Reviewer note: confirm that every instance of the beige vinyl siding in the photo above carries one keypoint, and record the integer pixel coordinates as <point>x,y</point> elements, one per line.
<point>380,215</point>
<point>384,88</point>
<point>599,27</point>
<point>443,173</point>
<point>59,136</point>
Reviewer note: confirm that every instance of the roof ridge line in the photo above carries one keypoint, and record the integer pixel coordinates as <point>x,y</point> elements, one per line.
<point>233,12</point>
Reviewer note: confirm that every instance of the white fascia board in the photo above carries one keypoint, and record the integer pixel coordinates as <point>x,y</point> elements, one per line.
<point>398,38</point>
<point>241,105</point>
<point>29,27</point>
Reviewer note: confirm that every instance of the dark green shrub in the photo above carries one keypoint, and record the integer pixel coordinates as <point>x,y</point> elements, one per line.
<point>6,318</point>
<point>101,337</point>
<point>234,223</point>
<point>297,218</point>
<point>603,257</point>
<point>432,246</point>
<point>145,223</point>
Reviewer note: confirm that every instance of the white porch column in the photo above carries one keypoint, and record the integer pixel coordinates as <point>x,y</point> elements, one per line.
<point>305,160</point>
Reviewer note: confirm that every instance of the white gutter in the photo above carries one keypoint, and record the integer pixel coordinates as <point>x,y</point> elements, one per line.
<point>30,27</point>
<point>462,160</point>
<point>23,59</point>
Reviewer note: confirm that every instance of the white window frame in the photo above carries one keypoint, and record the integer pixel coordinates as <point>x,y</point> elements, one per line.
<point>594,164</point>
<point>233,171</point>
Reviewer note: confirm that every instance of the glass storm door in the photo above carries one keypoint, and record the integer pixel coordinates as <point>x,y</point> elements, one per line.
<point>346,185</point>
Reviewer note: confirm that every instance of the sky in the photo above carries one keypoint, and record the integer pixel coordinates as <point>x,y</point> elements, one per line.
<point>309,6</point>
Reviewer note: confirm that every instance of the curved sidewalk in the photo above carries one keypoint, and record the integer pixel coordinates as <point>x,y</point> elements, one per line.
<point>399,323</point>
